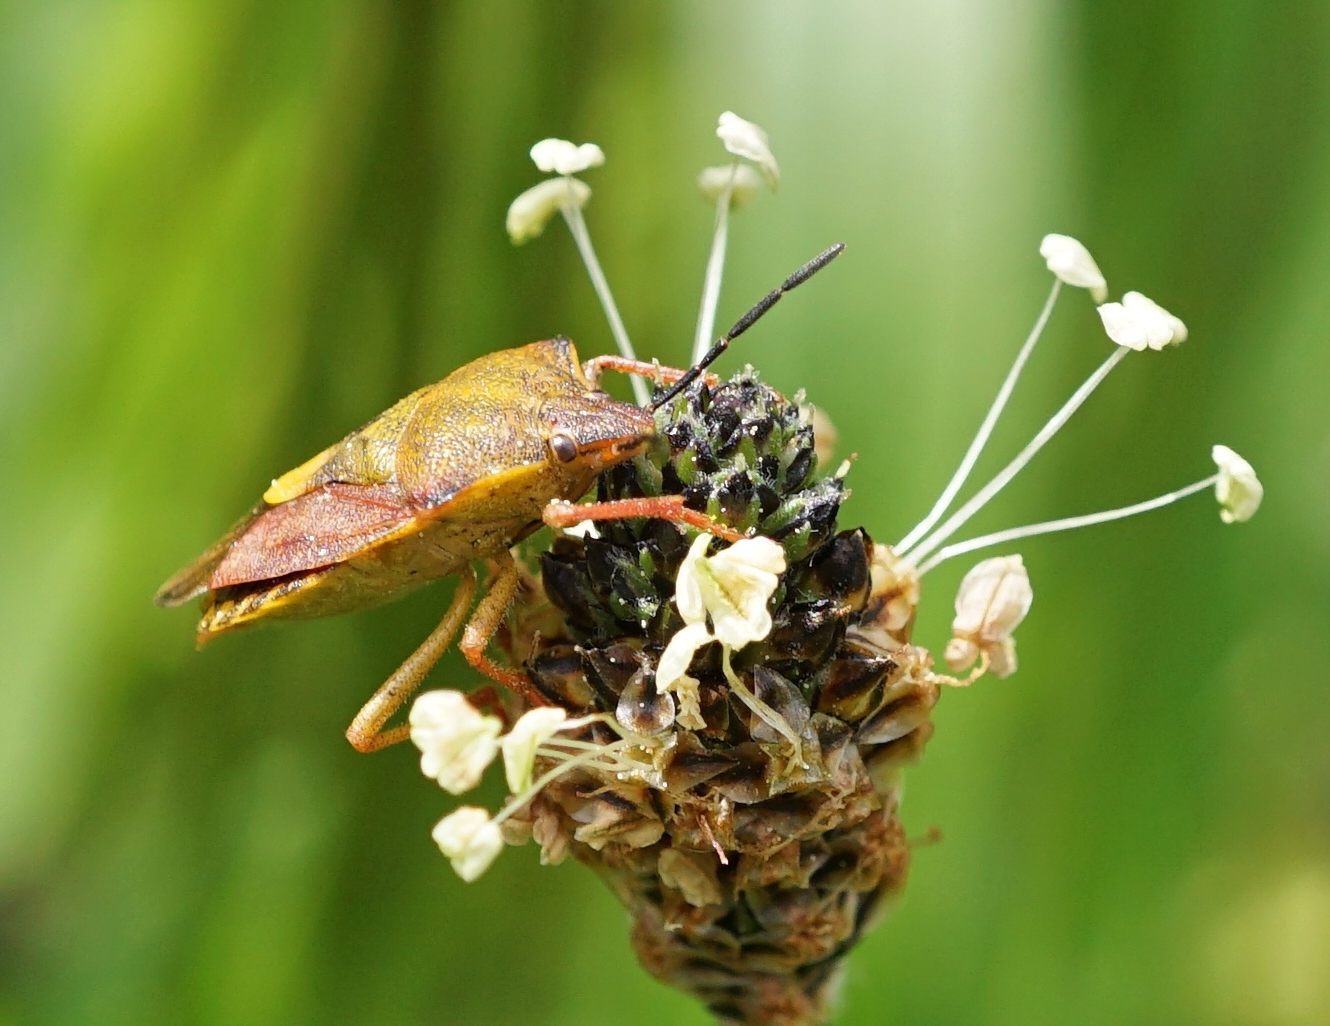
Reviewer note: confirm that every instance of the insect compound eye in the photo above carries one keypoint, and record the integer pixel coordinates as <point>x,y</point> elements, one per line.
<point>563,447</point>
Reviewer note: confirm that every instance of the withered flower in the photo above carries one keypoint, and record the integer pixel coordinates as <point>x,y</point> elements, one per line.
<point>991,603</point>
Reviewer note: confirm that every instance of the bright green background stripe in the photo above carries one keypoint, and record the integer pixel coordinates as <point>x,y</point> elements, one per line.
<point>231,231</point>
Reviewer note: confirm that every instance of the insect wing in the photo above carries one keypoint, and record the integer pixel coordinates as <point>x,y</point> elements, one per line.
<point>194,579</point>
<point>316,529</point>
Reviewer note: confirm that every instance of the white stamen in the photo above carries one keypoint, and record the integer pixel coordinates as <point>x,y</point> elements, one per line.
<point>747,140</point>
<point>706,315</point>
<point>604,755</point>
<point>1138,322</point>
<point>1071,262</point>
<point>519,745</point>
<point>530,212</point>
<point>743,182</point>
<point>1144,306</point>
<point>577,225</point>
<point>470,839</point>
<point>1004,476</point>
<point>559,156</point>
<point>1237,488</point>
<point>728,187</point>
<point>1065,524</point>
<point>985,429</point>
<point>456,740</point>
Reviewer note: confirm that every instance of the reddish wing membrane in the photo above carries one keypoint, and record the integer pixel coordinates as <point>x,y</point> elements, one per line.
<point>193,580</point>
<point>317,529</point>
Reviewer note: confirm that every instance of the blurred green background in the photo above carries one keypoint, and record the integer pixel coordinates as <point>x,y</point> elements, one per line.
<point>232,231</point>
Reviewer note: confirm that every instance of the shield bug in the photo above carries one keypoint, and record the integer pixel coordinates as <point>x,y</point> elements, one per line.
<point>456,472</point>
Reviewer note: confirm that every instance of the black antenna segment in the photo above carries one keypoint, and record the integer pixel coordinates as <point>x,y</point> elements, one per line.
<point>749,319</point>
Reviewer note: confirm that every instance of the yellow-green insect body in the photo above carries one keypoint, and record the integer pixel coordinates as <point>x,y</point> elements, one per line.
<point>455,472</point>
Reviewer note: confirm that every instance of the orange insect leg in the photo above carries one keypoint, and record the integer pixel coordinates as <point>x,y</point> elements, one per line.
<point>595,366</point>
<point>662,507</point>
<point>485,622</point>
<point>366,732</point>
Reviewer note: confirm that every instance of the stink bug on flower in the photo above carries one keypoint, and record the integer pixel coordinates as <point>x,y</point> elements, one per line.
<point>717,729</point>
<point>456,472</point>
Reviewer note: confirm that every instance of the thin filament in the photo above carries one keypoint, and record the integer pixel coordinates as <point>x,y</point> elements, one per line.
<point>706,315</point>
<point>1065,524</point>
<point>586,758</point>
<point>764,712</point>
<point>577,226</point>
<point>986,428</point>
<point>1004,476</point>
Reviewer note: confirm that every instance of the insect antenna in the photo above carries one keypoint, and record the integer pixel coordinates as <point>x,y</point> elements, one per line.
<point>749,319</point>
